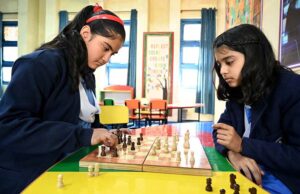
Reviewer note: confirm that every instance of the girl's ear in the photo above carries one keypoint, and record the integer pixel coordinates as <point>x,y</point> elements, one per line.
<point>85,33</point>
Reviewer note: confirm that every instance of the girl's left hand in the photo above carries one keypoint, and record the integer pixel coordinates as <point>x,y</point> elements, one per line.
<point>228,137</point>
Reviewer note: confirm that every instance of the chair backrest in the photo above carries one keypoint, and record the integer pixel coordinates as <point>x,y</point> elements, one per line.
<point>117,114</point>
<point>133,105</point>
<point>158,104</point>
<point>108,102</point>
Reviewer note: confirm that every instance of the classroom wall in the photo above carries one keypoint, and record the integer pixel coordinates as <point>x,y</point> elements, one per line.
<point>38,22</point>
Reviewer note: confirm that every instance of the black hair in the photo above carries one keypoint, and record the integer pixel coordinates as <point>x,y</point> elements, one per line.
<point>70,40</point>
<point>260,69</point>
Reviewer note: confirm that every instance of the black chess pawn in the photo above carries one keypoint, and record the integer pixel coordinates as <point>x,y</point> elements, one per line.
<point>119,139</point>
<point>252,190</point>
<point>208,185</point>
<point>232,180</point>
<point>114,152</point>
<point>132,146</point>
<point>124,138</point>
<point>124,146</point>
<point>103,151</point>
<point>236,189</point>
<point>138,141</point>
<point>141,136</point>
<point>222,191</point>
<point>129,140</point>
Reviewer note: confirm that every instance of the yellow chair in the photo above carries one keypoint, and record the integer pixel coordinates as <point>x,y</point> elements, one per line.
<point>116,116</point>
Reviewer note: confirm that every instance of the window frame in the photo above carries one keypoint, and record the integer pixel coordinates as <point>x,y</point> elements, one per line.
<point>110,66</point>
<point>187,43</point>
<point>6,43</point>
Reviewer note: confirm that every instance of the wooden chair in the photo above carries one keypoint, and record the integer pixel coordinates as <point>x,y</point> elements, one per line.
<point>158,111</point>
<point>116,115</point>
<point>134,107</point>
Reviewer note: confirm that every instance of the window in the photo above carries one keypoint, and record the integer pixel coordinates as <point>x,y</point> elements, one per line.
<point>118,65</point>
<point>9,48</point>
<point>189,58</point>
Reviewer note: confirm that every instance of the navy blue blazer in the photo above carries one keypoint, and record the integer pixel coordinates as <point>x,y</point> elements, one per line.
<point>38,119</point>
<point>275,130</point>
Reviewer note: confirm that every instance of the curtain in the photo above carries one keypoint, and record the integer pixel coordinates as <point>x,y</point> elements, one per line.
<point>63,19</point>
<point>1,38</point>
<point>205,91</point>
<point>131,73</point>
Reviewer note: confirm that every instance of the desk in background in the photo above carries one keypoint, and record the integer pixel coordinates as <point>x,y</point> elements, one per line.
<point>76,179</point>
<point>180,107</point>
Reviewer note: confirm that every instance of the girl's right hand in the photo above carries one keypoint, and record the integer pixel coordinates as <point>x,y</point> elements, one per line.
<point>103,136</point>
<point>246,166</point>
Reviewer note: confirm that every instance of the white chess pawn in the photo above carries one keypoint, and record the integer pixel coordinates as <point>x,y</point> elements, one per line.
<point>99,151</point>
<point>192,159</point>
<point>178,156</point>
<point>177,137</point>
<point>166,140</point>
<point>96,169</point>
<point>174,146</point>
<point>90,169</point>
<point>60,182</point>
<point>158,144</point>
<point>186,144</point>
<point>153,152</point>
<point>166,148</point>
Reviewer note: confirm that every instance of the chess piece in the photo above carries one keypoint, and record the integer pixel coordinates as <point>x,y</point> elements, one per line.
<point>158,144</point>
<point>177,137</point>
<point>178,156</point>
<point>60,182</point>
<point>138,141</point>
<point>103,153</point>
<point>166,148</point>
<point>236,189</point>
<point>186,144</point>
<point>252,190</point>
<point>141,137</point>
<point>232,180</point>
<point>208,185</point>
<point>153,152</point>
<point>174,146</point>
<point>114,152</point>
<point>96,169</point>
<point>192,159</point>
<point>124,138</point>
<point>132,146</point>
<point>222,191</point>
<point>166,140</point>
<point>129,140</point>
<point>90,169</point>
<point>99,151</point>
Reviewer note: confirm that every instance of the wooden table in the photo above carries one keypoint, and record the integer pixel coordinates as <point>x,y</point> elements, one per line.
<point>180,107</point>
<point>76,179</point>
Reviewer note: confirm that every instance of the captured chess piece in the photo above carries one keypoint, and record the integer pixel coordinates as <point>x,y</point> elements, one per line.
<point>232,180</point>
<point>91,170</point>
<point>208,185</point>
<point>96,169</point>
<point>252,190</point>
<point>60,181</point>
<point>222,191</point>
<point>236,189</point>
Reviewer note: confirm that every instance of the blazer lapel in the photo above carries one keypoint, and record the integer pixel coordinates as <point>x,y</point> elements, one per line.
<point>257,111</point>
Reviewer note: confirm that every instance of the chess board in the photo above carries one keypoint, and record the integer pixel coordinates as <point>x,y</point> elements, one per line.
<point>142,158</point>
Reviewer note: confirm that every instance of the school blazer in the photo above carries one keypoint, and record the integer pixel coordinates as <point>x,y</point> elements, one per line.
<point>275,130</point>
<point>38,119</point>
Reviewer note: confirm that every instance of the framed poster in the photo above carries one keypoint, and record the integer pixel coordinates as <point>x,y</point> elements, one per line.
<point>158,65</point>
<point>290,33</point>
<point>243,12</point>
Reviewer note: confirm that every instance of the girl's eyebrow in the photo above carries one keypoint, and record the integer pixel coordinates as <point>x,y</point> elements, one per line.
<point>225,58</point>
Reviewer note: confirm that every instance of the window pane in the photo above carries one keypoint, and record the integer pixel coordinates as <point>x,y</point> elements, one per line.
<point>190,55</point>
<point>10,53</point>
<point>6,72</point>
<point>192,32</point>
<point>187,96</point>
<point>189,78</point>
<point>121,57</point>
<point>10,33</point>
<point>117,76</point>
<point>127,30</point>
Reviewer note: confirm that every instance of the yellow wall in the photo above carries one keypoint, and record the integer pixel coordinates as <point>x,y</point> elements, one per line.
<point>38,22</point>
